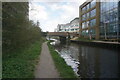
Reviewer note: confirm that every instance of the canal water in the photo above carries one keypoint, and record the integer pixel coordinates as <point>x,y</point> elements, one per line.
<point>90,62</point>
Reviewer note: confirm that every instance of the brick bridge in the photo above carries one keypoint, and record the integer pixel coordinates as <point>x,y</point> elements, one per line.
<point>64,34</point>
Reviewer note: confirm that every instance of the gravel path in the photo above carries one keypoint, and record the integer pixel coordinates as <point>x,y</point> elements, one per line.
<point>46,67</point>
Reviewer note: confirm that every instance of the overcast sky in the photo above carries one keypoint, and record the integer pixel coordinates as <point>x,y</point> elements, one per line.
<point>54,12</point>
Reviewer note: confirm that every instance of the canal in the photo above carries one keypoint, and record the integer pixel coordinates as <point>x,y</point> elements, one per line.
<point>90,62</point>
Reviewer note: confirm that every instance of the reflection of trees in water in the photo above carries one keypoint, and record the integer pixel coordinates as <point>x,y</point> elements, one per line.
<point>59,47</point>
<point>97,63</point>
<point>118,63</point>
<point>89,62</point>
<point>74,51</point>
<point>83,66</point>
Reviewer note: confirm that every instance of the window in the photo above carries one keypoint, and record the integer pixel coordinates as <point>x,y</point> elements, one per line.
<point>93,3</point>
<point>102,30</point>
<point>107,6</point>
<point>84,9</point>
<point>87,24</point>
<point>92,22</point>
<point>88,14</point>
<point>83,24</point>
<point>84,17</point>
<point>93,13</point>
<point>85,32</point>
<point>72,29</point>
<point>115,4</point>
<point>92,32</point>
<point>111,4</point>
<point>76,29</point>
<point>76,25</point>
<point>88,6</point>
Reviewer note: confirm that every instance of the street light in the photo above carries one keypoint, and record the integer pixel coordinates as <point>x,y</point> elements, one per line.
<point>117,26</point>
<point>105,25</point>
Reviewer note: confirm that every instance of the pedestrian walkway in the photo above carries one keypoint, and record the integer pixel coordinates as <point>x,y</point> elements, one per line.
<point>46,67</point>
<point>107,42</point>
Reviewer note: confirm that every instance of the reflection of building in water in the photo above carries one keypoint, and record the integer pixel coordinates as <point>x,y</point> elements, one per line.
<point>97,63</point>
<point>83,67</point>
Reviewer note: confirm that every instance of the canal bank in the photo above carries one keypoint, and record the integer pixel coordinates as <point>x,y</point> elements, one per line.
<point>102,44</point>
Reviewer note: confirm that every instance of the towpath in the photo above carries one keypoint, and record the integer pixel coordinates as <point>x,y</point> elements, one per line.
<point>46,67</point>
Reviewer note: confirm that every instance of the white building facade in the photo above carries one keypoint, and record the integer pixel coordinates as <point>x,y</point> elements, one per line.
<point>72,27</point>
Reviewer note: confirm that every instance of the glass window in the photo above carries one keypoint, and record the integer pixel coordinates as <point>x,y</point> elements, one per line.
<point>111,17</point>
<point>84,17</point>
<point>115,4</point>
<point>107,6</point>
<point>83,24</point>
<point>87,24</point>
<point>103,7</point>
<point>85,32</point>
<point>102,31</point>
<point>111,28</point>
<point>92,22</point>
<point>88,6</point>
<point>84,9</point>
<point>93,13</point>
<point>93,3</point>
<point>111,5</point>
<point>115,28</point>
<point>92,31</point>
<point>88,14</point>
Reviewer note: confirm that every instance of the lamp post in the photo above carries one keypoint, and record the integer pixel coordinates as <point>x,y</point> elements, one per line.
<point>117,32</point>
<point>117,27</point>
<point>116,16</point>
<point>105,26</point>
<point>105,30</point>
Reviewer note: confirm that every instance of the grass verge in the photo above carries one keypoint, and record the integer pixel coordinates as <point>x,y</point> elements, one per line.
<point>21,64</point>
<point>64,70</point>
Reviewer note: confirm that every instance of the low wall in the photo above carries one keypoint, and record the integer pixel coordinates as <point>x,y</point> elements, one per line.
<point>99,44</point>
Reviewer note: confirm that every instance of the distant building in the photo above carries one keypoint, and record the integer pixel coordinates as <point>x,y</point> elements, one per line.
<point>72,27</point>
<point>60,28</point>
<point>100,20</point>
<point>55,30</point>
<point>66,27</point>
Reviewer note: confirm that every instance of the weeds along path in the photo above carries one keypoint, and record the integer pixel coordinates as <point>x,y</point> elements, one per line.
<point>46,67</point>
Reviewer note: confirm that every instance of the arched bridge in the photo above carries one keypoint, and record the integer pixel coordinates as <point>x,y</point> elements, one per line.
<point>64,34</point>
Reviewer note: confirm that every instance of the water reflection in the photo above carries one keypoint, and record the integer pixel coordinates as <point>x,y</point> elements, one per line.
<point>98,62</point>
<point>90,62</point>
